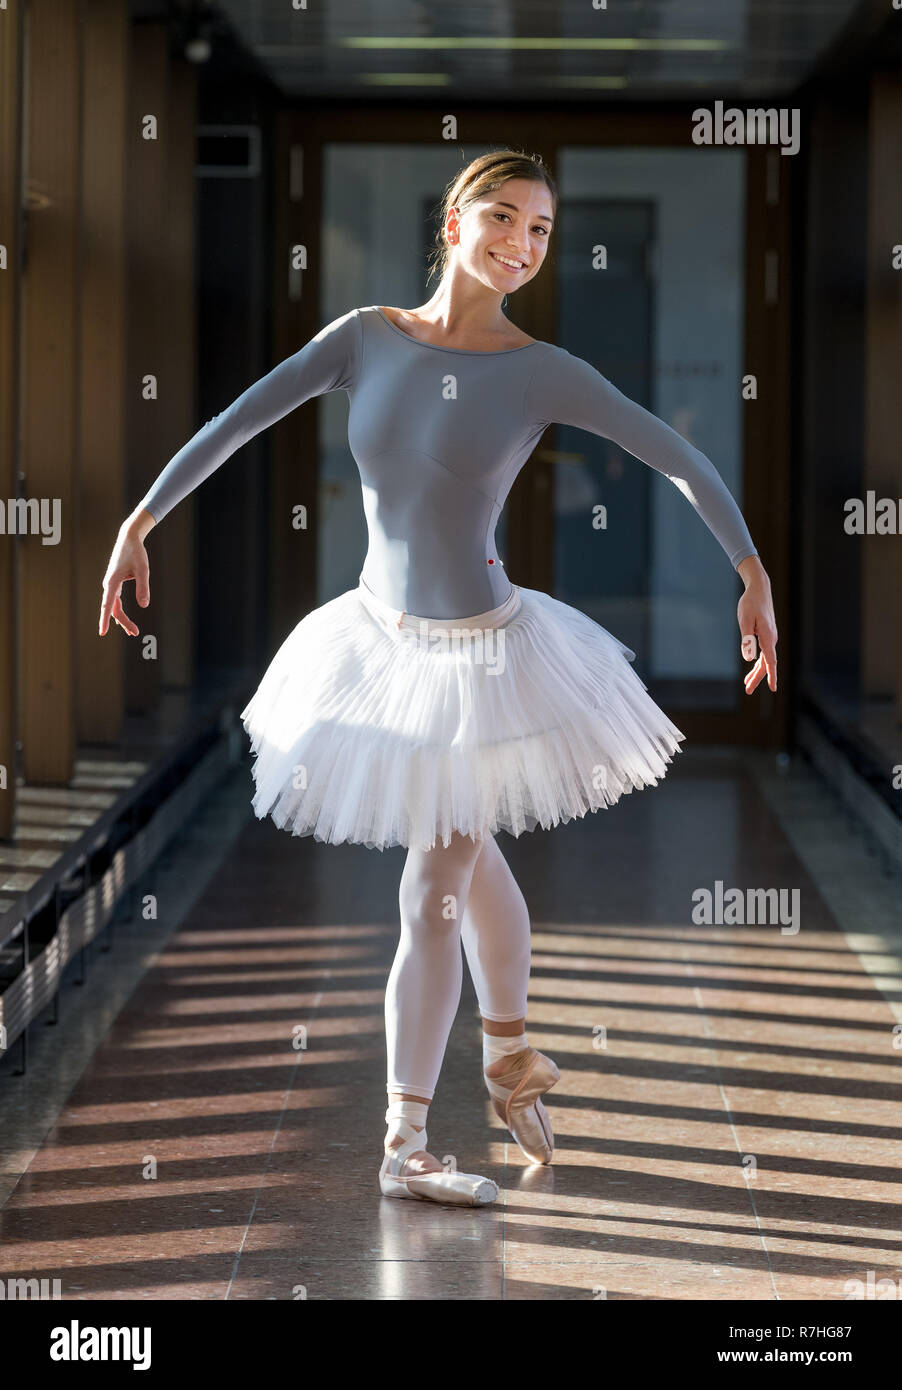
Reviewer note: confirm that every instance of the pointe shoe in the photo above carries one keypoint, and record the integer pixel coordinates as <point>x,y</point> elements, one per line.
<point>516,1098</point>
<point>458,1189</point>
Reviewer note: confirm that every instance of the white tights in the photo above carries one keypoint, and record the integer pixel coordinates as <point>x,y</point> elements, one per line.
<point>462,893</point>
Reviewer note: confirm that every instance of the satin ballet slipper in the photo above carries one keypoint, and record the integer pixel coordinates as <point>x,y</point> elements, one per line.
<point>516,1098</point>
<point>457,1189</point>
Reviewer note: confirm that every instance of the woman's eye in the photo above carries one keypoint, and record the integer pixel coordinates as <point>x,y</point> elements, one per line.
<point>539,228</point>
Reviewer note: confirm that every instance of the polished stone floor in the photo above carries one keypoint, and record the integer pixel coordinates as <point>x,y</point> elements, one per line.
<point>205,1122</point>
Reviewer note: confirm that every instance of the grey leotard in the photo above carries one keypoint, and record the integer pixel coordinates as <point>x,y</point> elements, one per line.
<point>439,435</point>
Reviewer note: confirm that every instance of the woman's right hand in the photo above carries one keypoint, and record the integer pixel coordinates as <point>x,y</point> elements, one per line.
<point>128,561</point>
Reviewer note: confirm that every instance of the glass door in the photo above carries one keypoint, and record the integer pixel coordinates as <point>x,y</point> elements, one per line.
<point>650,289</point>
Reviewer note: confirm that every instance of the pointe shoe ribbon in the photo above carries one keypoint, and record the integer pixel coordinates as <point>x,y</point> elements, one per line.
<point>516,1098</point>
<point>458,1189</point>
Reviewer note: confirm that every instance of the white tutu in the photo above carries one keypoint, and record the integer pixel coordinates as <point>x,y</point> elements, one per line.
<point>386,729</point>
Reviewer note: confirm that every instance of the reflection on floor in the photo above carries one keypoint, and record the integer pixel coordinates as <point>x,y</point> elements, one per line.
<point>727,1119</point>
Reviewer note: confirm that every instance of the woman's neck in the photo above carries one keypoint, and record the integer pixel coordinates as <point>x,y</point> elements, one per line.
<point>469,316</point>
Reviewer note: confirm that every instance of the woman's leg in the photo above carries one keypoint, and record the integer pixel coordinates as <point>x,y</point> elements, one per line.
<point>496,939</point>
<point>423,990</point>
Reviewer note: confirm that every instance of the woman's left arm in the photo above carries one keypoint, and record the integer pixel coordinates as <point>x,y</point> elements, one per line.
<point>756,619</point>
<point>570,391</point>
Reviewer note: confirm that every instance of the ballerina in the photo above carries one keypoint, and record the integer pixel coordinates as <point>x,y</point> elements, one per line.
<point>379,720</point>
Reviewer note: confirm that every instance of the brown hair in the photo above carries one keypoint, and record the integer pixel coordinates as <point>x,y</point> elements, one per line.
<point>483,175</point>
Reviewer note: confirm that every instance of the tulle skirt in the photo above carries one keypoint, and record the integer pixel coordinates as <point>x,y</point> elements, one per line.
<point>382,728</point>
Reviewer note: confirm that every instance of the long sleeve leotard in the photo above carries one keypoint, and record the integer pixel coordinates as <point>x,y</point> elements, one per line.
<point>439,435</point>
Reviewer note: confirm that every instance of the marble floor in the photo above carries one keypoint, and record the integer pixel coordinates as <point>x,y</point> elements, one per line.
<point>205,1121</point>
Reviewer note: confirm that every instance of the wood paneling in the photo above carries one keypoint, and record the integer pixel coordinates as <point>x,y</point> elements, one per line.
<point>174,582</point>
<point>102,487</point>
<point>763,718</point>
<point>294,463</point>
<point>11,116</point>
<point>148,313</point>
<point>50,387</point>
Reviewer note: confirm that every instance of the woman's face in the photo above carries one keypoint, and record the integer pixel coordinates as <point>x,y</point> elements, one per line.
<point>501,239</point>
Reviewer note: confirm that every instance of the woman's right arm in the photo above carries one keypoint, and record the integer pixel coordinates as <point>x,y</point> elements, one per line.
<point>128,561</point>
<point>329,362</point>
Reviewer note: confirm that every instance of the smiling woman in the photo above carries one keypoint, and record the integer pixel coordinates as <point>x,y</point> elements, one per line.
<point>500,241</point>
<point>512,201</point>
<point>364,729</point>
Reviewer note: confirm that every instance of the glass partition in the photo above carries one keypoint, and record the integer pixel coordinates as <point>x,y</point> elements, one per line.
<point>663,320</point>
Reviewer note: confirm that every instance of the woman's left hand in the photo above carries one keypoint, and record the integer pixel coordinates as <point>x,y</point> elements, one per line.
<point>756,619</point>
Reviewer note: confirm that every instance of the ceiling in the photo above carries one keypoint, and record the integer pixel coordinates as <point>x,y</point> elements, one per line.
<point>549,50</point>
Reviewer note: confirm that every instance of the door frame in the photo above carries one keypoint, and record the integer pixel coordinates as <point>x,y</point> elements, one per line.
<point>301,134</point>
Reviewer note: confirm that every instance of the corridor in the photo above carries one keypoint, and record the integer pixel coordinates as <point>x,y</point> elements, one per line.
<point>205,1122</point>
